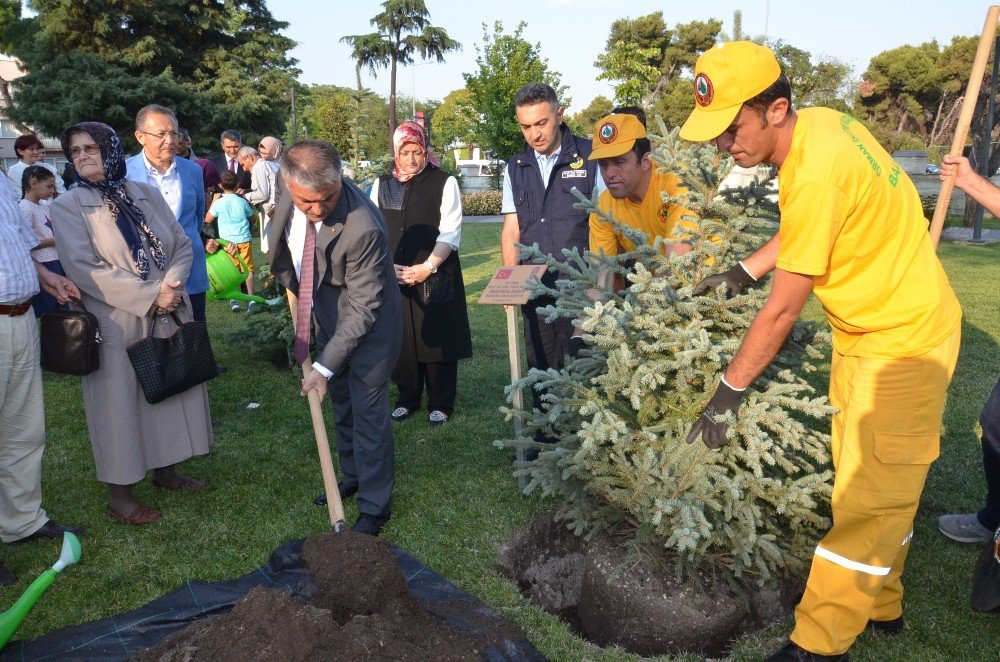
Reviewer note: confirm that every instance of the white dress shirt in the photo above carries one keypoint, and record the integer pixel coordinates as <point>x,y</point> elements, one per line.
<point>169,184</point>
<point>15,174</point>
<point>450,227</point>
<point>545,165</point>
<point>295,235</point>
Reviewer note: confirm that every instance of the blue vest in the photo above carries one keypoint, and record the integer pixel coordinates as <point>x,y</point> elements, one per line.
<point>546,215</point>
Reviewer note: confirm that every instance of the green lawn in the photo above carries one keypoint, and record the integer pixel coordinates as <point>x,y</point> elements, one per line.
<point>455,498</point>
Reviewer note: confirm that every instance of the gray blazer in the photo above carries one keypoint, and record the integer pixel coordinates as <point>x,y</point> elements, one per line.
<point>356,301</point>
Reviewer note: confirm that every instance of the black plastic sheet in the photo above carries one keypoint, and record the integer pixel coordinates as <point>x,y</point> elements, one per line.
<point>124,635</point>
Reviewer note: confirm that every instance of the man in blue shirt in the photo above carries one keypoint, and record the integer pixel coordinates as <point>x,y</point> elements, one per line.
<point>181,184</point>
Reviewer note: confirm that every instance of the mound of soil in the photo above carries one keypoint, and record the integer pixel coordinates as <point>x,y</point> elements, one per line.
<point>361,610</point>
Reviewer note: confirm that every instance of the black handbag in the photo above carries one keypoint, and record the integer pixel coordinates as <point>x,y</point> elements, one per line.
<point>70,341</point>
<point>438,288</point>
<point>172,365</point>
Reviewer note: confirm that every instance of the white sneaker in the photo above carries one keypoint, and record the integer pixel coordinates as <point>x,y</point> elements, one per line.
<point>964,528</point>
<point>235,306</point>
<point>437,417</point>
<point>400,414</point>
<point>250,305</point>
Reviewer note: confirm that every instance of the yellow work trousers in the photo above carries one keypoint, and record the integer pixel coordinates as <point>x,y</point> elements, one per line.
<point>884,438</point>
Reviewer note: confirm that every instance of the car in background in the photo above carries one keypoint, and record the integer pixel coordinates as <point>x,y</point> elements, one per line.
<point>932,169</point>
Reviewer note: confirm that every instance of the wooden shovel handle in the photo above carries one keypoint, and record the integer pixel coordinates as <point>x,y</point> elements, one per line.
<point>333,502</point>
<point>965,117</point>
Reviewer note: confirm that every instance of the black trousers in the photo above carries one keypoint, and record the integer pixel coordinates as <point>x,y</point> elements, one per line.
<point>364,440</point>
<point>990,420</point>
<point>441,380</point>
<point>198,307</point>
<point>546,345</point>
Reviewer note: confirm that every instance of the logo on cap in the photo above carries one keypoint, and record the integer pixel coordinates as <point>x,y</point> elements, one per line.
<point>608,133</point>
<point>703,90</point>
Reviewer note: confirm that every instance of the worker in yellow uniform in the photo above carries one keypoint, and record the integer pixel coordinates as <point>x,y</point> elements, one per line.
<point>634,184</point>
<point>852,232</point>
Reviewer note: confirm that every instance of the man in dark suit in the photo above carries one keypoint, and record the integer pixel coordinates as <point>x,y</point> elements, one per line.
<point>231,142</point>
<point>357,308</point>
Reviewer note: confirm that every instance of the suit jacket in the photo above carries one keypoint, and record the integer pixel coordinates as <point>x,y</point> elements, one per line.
<point>192,211</point>
<point>221,163</point>
<point>356,301</point>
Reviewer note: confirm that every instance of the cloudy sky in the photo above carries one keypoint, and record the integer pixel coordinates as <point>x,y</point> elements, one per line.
<point>572,33</point>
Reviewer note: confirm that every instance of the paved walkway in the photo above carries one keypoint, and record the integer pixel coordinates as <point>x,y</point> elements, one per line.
<point>482,219</point>
<point>965,234</point>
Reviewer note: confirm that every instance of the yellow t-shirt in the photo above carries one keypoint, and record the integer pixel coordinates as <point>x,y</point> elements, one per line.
<point>653,216</point>
<point>852,219</point>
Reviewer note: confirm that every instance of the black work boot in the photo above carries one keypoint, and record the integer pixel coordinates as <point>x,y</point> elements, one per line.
<point>791,652</point>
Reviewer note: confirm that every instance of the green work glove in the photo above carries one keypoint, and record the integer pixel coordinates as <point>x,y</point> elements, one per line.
<point>736,279</point>
<point>726,399</point>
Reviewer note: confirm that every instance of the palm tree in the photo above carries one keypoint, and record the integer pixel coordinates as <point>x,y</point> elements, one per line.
<point>403,29</point>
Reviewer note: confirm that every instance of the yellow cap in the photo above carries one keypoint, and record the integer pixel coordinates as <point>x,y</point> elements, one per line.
<point>616,134</point>
<point>725,76</point>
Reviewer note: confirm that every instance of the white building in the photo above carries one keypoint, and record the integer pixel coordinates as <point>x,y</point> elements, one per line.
<point>9,70</point>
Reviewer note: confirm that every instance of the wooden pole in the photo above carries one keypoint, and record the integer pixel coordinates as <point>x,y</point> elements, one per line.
<point>514,347</point>
<point>333,503</point>
<point>965,117</point>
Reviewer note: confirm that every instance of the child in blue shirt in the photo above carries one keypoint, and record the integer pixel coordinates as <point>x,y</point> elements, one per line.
<point>233,213</point>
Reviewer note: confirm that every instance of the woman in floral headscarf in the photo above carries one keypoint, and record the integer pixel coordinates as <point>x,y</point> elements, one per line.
<point>423,209</point>
<point>130,258</point>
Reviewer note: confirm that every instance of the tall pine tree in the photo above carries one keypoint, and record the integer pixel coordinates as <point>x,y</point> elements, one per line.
<point>220,64</point>
<point>654,354</point>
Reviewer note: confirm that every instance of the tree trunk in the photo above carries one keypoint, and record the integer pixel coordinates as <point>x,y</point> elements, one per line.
<point>977,151</point>
<point>392,100</point>
<point>9,102</point>
<point>937,119</point>
<point>902,117</point>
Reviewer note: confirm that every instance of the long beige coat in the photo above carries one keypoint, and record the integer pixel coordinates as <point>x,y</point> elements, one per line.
<point>129,436</point>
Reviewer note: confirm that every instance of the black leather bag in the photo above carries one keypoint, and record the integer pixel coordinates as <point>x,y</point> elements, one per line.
<point>70,341</point>
<point>438,288</point>
<point>172,365</point>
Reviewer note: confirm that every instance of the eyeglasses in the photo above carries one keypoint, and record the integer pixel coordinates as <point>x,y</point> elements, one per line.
<point>164,135</point>
<point>89,150</point>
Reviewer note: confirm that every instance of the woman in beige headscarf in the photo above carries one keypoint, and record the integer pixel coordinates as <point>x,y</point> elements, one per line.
<point>270,149</point>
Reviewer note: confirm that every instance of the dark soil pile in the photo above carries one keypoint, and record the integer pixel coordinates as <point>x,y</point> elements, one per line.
<point>361,610</point>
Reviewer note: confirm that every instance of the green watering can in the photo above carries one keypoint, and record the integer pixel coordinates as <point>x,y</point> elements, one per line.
<point>11,619</point>
<point>225,277</point>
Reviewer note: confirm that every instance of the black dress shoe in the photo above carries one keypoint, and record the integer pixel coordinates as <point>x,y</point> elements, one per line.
<point>370,524</point>
<point>345,493</point>
<point>7,578</point>
<point>52,531</point>
<point>793,653</point>
<point>888,628</point>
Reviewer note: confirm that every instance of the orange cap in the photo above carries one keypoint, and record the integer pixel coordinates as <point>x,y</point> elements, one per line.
<point>616,134</point>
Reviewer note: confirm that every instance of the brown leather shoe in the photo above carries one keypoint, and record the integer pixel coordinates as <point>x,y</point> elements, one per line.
<point>140,516</point>
<point>181,483</point>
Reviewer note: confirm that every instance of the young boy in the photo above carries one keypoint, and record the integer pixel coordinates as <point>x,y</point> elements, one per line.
<point>233,213</point>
